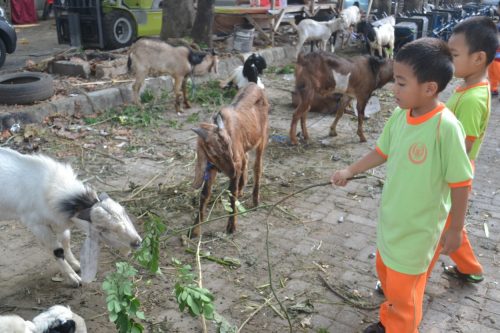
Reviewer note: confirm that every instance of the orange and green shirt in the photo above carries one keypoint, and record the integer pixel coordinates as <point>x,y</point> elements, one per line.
<point>426,157</point>
<point>471,105</point>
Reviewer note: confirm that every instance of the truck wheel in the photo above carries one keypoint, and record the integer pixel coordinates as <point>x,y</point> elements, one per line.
<point>3,52</point>
<point>25,87</point>
<point>119,29</point>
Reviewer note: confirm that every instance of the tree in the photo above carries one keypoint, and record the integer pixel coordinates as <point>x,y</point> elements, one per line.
<point>202,27</point>
<point>177,19</point>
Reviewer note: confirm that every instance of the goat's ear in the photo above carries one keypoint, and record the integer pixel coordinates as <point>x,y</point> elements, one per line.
<point>201,132</point>
<point>103,196</point>
<point>219,121</point>
<point>199,171</point>
<point>84,215</point>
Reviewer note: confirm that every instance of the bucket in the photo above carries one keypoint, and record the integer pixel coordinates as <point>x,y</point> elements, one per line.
<point>243,38</point>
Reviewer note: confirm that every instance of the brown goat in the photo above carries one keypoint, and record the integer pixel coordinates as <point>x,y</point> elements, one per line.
<point>324,74</point>
<point>224,145</point>
<point>155,57</point>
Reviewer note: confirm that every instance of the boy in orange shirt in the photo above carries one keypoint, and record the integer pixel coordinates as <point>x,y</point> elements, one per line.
<point>494,67</point>
<point>428,176</point>
<point>473,46</point>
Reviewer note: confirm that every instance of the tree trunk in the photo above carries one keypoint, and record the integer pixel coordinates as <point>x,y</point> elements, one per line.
<point>177,19</point>
<point>202,27</point>
<point>383,6</point>
<point>410,5</point>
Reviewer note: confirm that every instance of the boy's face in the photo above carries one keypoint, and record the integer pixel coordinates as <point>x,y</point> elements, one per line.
<point>409,93</point>
<point>465,63</point>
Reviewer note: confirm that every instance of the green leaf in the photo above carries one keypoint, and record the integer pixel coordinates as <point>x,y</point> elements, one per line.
<point>140,315</point>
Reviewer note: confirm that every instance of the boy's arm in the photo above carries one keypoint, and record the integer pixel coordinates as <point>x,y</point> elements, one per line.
<point>468,145</point>
<point>369,161</point>
<point>452,237</point>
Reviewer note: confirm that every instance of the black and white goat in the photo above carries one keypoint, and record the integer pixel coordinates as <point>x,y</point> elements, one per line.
<point>242,75</point>
<point>57,319</point>
<point>379,37</point>
<point>48,198</point>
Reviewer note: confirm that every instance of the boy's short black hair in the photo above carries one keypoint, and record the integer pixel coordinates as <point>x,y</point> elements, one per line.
<point>480,35</point>
<point>430,59</point>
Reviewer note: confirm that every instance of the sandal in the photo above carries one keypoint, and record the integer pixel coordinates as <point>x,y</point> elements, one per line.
<point>454,272</point>
<point>375,328</point>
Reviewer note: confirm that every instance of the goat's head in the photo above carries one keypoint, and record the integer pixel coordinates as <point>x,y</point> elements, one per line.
<point>258,61</point>
<point>214,146</point>
<point>209,64</point>
<point>58,318</point>
<point>105,216</point>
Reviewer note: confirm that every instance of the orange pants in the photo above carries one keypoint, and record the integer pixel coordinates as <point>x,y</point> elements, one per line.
<point>404,293</point>
<point>494,75</point>
<point>464,257</point>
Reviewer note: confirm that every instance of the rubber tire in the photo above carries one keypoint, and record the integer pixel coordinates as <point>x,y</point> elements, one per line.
<point>109,21</point>
<point>39,87</point>
<point>3,52</point>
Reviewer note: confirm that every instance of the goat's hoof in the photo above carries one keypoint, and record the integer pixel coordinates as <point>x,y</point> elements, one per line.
<point>333,133</point>
<point>362,139</point>
<point>187,106</point>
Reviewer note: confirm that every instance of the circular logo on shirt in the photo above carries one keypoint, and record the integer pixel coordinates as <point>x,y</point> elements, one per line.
<point>417,153</point>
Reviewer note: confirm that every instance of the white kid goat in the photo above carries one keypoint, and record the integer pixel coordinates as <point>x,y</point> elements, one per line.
<point>48,198</point>
<point>312,30</point>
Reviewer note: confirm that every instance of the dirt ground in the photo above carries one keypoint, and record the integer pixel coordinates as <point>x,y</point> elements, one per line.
<point>117,158</point>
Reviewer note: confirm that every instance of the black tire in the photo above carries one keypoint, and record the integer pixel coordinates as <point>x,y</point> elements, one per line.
<point>25,87</point>
<point>119,29</point>
<point>3,52</point>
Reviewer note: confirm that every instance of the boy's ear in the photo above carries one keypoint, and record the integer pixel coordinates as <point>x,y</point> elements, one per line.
<point>480,58</point>
<point>431,88</point>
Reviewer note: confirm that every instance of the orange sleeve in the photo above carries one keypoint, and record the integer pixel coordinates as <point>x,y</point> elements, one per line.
<point>465,183</point>
<point>380,152</point>
<point>471,138</point>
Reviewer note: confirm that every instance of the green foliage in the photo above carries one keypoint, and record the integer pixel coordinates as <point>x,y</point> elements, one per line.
<point>193,118</point>
<point>173,124</point>
<point>149,253</point>
<point>210,94</point>
<point>198,301</point>
<point>322,330</point>
<point>227,204</point>
<point>123,306</point>
<point>147,96</point>
<point>130,115</point>
<point>288,69</point>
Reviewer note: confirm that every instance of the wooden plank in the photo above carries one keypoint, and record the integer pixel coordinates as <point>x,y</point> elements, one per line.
<point>257,26</point>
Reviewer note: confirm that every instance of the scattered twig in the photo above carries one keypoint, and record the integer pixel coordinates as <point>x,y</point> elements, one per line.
<point>254,313</point>
<point>200,280</point>
<point>343,295</point>
<point>134,194</point>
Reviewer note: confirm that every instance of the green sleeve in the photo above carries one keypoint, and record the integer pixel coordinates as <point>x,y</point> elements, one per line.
<point>456,164</point>
<point>470,112</point>
<point>384,140</point>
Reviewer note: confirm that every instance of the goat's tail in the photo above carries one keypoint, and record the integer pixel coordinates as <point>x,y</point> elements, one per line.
<point>129,63</point>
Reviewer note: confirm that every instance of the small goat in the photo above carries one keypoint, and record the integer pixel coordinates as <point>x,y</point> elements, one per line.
<point>379,37</point>
<point>249,72</point>
<point>321,73</point>
<point>351,16</point>
<point>309,29</point>
<point>57,319</point>
<point>223,147</point>
<point>155,57</point>
<point>48,198</point>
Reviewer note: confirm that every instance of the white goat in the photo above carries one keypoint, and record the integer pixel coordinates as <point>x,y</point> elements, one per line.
<point>379,37</point>
<point>242,75</point>
<point>312,30</point>
<point>351,16</point>
<point>48,198</point>
<point>57,319</point>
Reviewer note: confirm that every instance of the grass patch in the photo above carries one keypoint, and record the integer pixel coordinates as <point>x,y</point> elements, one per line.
<point>209,94</point>
<point>193,118</point>
<point>130,115</point>
<point>287,69</point>
<point>147,96</point>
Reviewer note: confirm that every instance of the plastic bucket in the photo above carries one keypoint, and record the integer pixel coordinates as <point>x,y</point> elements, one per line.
<point>243,38</point>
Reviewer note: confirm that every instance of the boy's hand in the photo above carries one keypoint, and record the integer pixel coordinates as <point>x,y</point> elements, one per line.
<point>339,178</point>
<point>451,241</point>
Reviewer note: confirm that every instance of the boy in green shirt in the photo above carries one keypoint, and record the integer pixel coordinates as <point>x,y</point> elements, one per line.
<point>473,46</point>
<point>428,176</point>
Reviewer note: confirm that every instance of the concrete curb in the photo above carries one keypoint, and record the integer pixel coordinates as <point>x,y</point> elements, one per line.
<point>100,100</point>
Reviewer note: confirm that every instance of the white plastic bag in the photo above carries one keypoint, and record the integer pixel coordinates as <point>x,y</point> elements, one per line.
<point>89,256</point>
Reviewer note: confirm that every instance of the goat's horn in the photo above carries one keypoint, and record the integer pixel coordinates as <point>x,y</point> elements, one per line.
<point>219,121</point>
<point>103,196</point>
<point>201,132</point>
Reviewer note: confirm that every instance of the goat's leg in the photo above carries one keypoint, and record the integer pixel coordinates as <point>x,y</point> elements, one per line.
<point>344,101</point>
<point>360,106</point>
<point>303,126</point>
<point>65,238</point>
<point>205,194</point>
<point>184,93</point>
<point>257,171</point>
<point>136,87</point>
<point>302,108</point>
<point>299,46</point>
<point>244,176</point>
<point>45,235</point>
<point>233,189</point>
<point>177,93</point>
